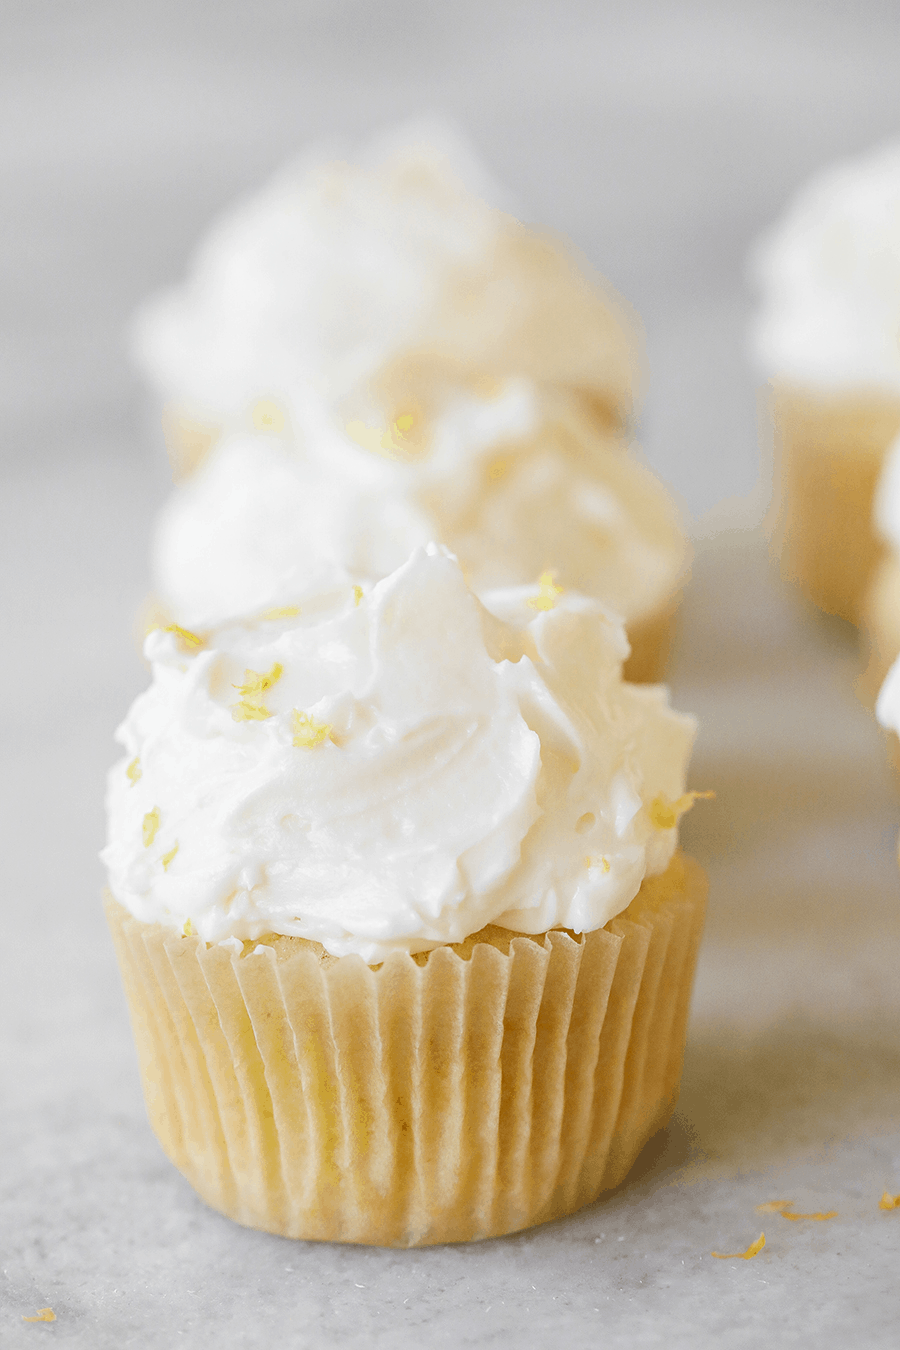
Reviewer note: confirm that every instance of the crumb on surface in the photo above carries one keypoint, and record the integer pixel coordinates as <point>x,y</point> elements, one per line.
<point>785,1209</point>
<point>753,1250</point>
<point>889,1201</point>
<point>42,1315</point>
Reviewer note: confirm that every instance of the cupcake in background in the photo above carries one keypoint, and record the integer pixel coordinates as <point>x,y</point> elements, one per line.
<point>398,361</point>
<point>401,918</point>
<point>377,291</point>
<point>880,617</point>
<point>826,336</point>
<point>521,486</point>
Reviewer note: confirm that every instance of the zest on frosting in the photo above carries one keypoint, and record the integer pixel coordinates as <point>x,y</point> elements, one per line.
<point>394,769</point>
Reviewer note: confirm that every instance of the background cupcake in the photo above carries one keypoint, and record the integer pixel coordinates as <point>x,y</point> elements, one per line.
<point>328,835</point>
<point>826,336</point>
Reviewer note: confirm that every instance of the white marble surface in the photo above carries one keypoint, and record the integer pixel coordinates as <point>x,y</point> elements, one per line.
<point>662,144</point>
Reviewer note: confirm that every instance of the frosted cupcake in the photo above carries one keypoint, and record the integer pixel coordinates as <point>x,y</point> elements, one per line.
<point>519,486</point>
<point>401,918</point>
<point>827,337</point>
<point>376,291</point>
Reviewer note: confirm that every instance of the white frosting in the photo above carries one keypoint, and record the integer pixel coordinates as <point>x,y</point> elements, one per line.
<point>364,286</point>
<point>478,769</point>
<point>515,484</point>
<point>830,280</point>
<point>887,706</point>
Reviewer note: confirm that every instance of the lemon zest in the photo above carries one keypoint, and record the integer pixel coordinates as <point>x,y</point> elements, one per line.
<point>43,1315</point>
<point>267,416</point>
<point>167,857</point>
<point>188,929</point>
<point>358,594</point>
<point>187,637</point>
<point>889,1201</point>
<point>308,733</point>
<point>134,770</point>
<point>785,1209</point>
<point>752,1250</point>
<point>665,814</point>
<point>547,595</point>
<point>150,826</point>
<point>282,612</point>
<point>404,422</point>
<point>251,707</point>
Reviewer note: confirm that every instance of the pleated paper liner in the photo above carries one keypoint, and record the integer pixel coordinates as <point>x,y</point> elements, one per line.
<point>462,1094</point>
<point>829,453</point>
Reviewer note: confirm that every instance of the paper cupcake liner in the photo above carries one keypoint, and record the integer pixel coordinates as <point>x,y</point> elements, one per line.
<point>829,453</point>
<point>880,627</point>
<point>462,1094</point>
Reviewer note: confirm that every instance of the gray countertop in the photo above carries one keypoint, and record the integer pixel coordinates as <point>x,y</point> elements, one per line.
<point>662,144</point>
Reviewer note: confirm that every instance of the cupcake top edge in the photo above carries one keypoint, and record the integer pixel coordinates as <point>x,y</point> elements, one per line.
<point>828,276</point>
<point>394,766</point>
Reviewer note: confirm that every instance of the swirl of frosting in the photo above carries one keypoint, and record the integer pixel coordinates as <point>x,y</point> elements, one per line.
<point>378,289</point>
<point>395,768</point>
<point>829,274</point>
<point>515,485</point>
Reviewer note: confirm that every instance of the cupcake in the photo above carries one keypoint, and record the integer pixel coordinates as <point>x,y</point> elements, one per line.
<point>518,485</point>
<point>395,889</point>
<point>827,337</point>
<point>880,612</point>
<point>374,292</point>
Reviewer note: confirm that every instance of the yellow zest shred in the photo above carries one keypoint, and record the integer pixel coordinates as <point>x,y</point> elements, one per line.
<point>188,929</point>
<point>308,733</point>
<point>404,423</point>
<point>187,637</point>
<point>665,814</point>
<point>150,826</point>
<point>134,770</point>
<point>752,1250</point>
<point>267,416</point>
<point>42,1315</point>
<point>889,1201</point>
<point>547,594</point>
<point>167,857</point>
<point>282,612</point>
<point>601,862</point>
<point>358,594</point>
<point>785,1209</point>
<point>251,707</point>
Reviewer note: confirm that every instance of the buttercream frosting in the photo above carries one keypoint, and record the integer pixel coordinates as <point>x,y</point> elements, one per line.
<point>516,483</point>
<point>829,274</point>
<point>394,767</point>
<point>375,288</point>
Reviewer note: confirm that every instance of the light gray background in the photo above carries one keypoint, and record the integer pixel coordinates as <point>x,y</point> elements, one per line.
<point>661,137</point>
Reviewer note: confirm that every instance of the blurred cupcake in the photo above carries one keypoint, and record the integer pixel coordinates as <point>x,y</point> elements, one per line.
<point>376,290</point>
<point>880,616</point>
<point>827,337</point>
<point>519,485</point>
<point>395,892</point>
